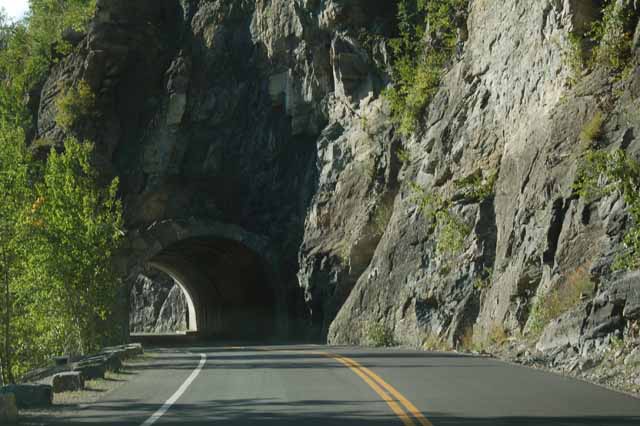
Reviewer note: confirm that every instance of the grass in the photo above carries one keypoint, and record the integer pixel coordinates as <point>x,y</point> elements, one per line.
<point>436,343</point>
<point>94,389</point>
<point>381,218</point>
<point>466,341</point>
<point>65,404</point>
<point>593,130</point>
<point>498,335</point>
<point>379,335</point>
<point>560,300</point>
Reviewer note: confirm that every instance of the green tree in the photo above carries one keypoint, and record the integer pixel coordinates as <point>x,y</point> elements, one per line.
<point>82,221</point>
<point>59,231</point>
<point>59,226</point>
<point>15,194</point>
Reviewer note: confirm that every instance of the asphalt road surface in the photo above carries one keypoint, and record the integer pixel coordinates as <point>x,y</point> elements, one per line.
<point>330,386</point>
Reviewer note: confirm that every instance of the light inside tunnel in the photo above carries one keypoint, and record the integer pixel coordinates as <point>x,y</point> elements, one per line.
<point>228,287</point>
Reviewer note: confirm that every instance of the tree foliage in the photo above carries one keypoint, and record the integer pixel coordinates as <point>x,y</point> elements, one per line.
<point>76,104</point>
<point>32,46</point>
<point>59,229</point>
<point>60,225</point>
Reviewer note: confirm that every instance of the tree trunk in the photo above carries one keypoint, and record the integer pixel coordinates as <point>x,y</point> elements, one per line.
<point>7,367</point>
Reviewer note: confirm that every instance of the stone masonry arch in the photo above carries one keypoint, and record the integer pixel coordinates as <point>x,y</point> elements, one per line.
<point>230,276</point>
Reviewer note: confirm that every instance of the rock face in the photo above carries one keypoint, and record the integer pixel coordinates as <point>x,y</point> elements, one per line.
<point>266,115</point>
<point>505,108</point>
<point>158,305</point>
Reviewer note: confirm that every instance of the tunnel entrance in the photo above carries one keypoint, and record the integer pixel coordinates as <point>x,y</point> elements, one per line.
<point>228,285</point>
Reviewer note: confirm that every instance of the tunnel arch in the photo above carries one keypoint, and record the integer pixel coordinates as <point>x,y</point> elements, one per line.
<point>229,275</point>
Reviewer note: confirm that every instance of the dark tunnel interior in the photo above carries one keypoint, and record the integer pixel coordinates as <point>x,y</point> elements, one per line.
<point>230,287</point>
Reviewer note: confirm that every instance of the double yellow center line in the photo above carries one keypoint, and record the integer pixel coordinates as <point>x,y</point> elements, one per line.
<point>399,404</point>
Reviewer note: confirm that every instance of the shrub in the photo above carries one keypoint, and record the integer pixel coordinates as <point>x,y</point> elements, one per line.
<point>404,156</point>
<point>603,173</point>
<point>382,217</point>
<point>612,37</point>
<point>593,129</point>
<point>560,300</point>
<point>483,280</point>
<point>450,231</point>
<point>379,335</point>
<point>607,43</point>
<point>476,187</point>
<point>498,335</point>
<point>75,105</point>
<point>418,69</point>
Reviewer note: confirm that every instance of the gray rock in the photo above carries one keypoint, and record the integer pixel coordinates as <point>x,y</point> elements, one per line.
<point>633,359</point>
<point>589,364</point>
<point>134,349</point>
<point>119,352</point>
<point>30,395</point>
<point>68,382</point>
<point>8,409</point>
<point>564,331</point>
<point>91,370</point>
<point>111,360</point>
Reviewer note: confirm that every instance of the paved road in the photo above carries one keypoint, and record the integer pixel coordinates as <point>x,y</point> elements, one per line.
<point>329,386</point>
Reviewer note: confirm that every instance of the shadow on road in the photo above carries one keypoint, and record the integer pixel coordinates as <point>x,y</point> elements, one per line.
<point>249,412</point>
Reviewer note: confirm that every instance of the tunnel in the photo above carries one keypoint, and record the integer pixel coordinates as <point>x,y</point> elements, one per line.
<point>229,287</point>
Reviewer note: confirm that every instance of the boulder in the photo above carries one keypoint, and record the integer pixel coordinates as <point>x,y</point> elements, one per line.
<point>115,352</point>
<point>111,360</point>
<point>125,351</point>
<point>68,382</point>
<point>134,349</point>
<point>113,363</point>
<point>8,409</point>
<point>30,395</point>
<point>564,331</point>
<point>91,371</point>
<point>633,358</point>
<point>625,291</point>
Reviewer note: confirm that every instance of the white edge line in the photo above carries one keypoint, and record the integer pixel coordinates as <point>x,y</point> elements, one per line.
<point>162,411</point>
